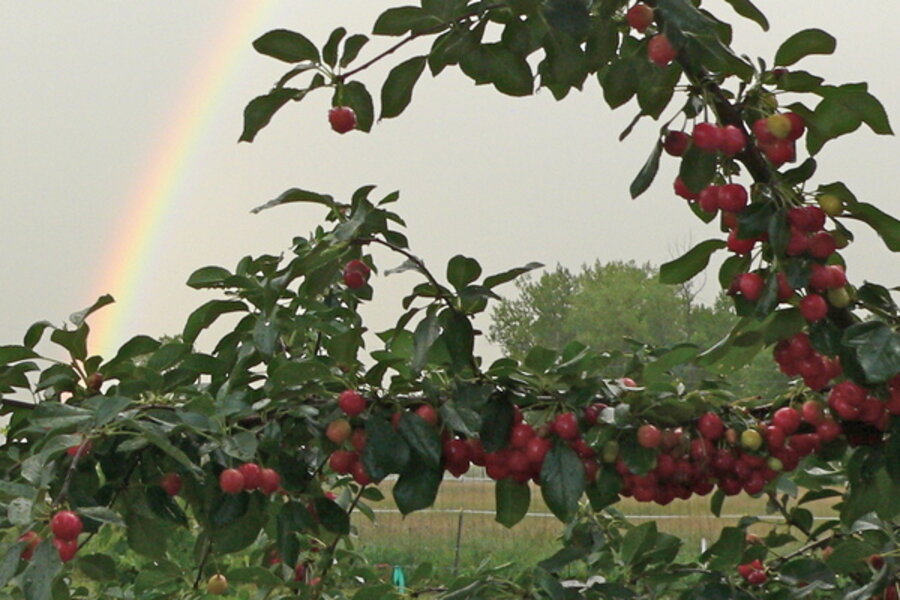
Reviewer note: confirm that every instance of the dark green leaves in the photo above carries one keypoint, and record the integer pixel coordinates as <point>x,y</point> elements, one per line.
<point>842,110</point>
<point>386,451</point>
<point>260,110</point>
<point>637,541</point>
<point>286,45</point>
<point>294,195</point>
<point>562,481</point>
<point>685,267</point>
<point>877,349</point>
<point>803,43</point>
<point>417,488</point>
<point>745,8</point>
<point>512,500</point>
<point>397,21</point>
<point>697,168</point>
<point>648,172</point>
<point>396,92</point>
<point>462,270</point>
<point>332,516</point>
<point>494,63</point>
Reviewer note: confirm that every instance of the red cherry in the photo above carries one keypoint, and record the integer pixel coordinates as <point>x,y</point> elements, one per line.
<point>681,189</point>
<point>709,199</point>
<point>592,413</point>
<point>812,412</point>
<point>31,539</point>
<point>428,414</point>
<point>732,198</point>
<point>358,439</point>
<point>66,525</point>
<point>342,119</point>
<point>821,245</point>
<point>813,308</point>
<point>520,435</point>
<point>649,436</point>
<point>739,245</point>
<point>269,481</point>
<point>252,475</point>
<point>300,572</point>
<point>660,51</point>
<point>751,286</point>
<point>231,481</point>
<point>639,17</point>
<point>85,447</point>
<point>757,578</point>
<point>537,449</point>
<point>566,426</point>
<point>707,137</point>
<point>351,402</point>
<point>762,132</point>
<point>171,483</point>
<point>732,141</point>
<point>359,473</point>
<point>785,291</point>
<point>676,143</point>
<point>711,426</point>
<point>67,548</point>
<point>341,461</point>
<point>787,419</point>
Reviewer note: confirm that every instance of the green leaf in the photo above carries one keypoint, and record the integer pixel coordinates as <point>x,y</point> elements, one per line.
<point>165,507</point>
<point>562,481</point>
<point>399,20</point>
<point>356,96</point>
<point>637,541</point>
<point>79,317</point>
<point>37,580</point>
<point>647,173</point>
<point>462,270</point>
<point>102,514</point>
<point>209,277</point>
<point>10,562</point>
<point>842,110</point>
<point>495,64</point>
<point>330,49</point>
<point>297,195</point>
<point>493,281</point>
<point>496,423</point>
<point>352,46</point>
<point>697,168</point>
<point>243,531</point>
<point>512,500</point>
<point>285,45</point>
<point>716,501</point>
<point>688,265</point>
<point>726,552</point>
<point>884,224</point>
<point>99,567</point>
<point>34,334</point>
<point>261,109</point>
<point>422,438</point>
<point>417,487</point>
<point>745,8</point>
<point>332,516</point>
<point>385,451</point>
<point>202,318</point>
<point>11,354</point>
<point>799,81</point>
<point>803,43</point>
<point>877,349</point>
<point>396,93</point>
<point>254,575</point>
<point>427,332</point>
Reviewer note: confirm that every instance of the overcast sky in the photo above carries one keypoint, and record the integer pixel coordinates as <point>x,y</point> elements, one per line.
<point>89,87</point>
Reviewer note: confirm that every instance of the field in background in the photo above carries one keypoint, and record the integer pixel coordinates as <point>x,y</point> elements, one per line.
<point>431,535</point>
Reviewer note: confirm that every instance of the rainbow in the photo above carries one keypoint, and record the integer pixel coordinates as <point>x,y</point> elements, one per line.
<point>157,186</point>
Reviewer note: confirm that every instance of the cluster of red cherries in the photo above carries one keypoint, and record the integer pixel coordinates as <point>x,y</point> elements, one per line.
<point>246,478</point>
<point>66,527</point>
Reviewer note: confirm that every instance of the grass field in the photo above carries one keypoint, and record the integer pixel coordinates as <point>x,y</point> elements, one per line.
<point>431,536</point>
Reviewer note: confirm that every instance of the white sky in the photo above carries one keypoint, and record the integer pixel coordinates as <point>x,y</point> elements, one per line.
<point>88,86</point>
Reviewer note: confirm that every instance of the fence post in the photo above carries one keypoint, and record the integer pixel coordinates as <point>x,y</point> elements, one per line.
<point>459,526</point>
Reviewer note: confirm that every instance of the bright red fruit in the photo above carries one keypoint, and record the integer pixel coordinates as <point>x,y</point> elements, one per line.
<point>676,143</point>
<point>231,481</point>
<point>813,308</point>
<point>681,189</point>
<point>711,426</point>
<point>797,125</point>
<point>821,245</point>
<point>761,131</point>
<point>739,245</point>
<point>67,549</point>
<point>269,481</point>
<point>342,119</point>
<point>732,197</point>
<point>660,50</point>
<point>707,136</point>
<point>649,436</point>
<point>812,412</point>
<point>537,449</point>
<point>360,476</point>
<point>787,419</point>
<point>85,447</point>
<point>341,461</point>
<point>751,285</point>
<point>252,475</point>
<point>757,578</point>
<point>171,483</point>
<point>639,17</point>
<point>732,141</point>
<point>66,525</point>
<point>351,402</point>
<point>356,274</point>
<point>566,426</point>
<point>709,199</point>
<point>780,152</point>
